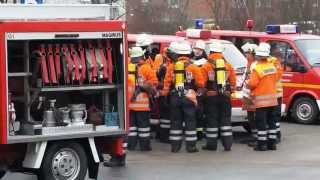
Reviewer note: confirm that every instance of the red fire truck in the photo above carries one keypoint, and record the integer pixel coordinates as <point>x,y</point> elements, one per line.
<point>63,103</point>
<point>300,54</point>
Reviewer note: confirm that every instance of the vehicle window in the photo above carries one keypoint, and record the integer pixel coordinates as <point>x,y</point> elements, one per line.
<point>310,48</point>
<point>286,54</point>
<point>240,41</point>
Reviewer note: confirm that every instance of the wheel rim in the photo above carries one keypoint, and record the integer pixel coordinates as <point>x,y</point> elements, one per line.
<point>304,111</point>
<point>66,164</point>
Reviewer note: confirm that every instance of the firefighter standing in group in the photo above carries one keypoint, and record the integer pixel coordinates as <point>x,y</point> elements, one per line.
<point>199,58</point>
<point>142,81</point>
<point>249,51</point>
<point>154,59</point>
<point>221,83</point>
<point>262,84</point>
<point>276,60</point>
<point>183,102</point>
<point>165,78</point>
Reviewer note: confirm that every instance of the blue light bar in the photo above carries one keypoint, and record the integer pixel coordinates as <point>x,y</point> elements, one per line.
<point>282,29</point>
<point>199,23</point>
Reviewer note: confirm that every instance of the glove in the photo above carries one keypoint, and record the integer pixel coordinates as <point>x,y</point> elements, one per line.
<point>201,91</point>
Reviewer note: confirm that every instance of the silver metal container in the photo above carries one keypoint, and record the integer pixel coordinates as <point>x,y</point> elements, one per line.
<point>78,114</point>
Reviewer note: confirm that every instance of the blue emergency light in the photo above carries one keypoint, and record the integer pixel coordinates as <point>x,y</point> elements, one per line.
<point>282,29</point>
<point>199,23</point>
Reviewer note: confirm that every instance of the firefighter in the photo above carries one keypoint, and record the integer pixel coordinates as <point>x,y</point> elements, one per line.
<point>187,79</point>
<point>142,81</point>
<point>154,59</point>
<point>276,60</point>
<point>199,57</point>
<point>164,74</point>
<point>249,51</point>
<point>262,84</point>
<point>221,83</point>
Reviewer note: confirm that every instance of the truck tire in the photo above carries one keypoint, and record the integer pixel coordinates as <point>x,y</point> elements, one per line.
<point>64,161</point>
<point>304,110</point>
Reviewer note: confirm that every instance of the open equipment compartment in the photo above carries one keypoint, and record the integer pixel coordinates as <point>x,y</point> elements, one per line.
<point>55,77</point>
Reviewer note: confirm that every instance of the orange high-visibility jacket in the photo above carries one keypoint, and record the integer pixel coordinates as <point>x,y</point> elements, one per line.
<point>277,63</point>
<point>168,78</point>
<point>232,78</point>
<point>156,63</point>
<point>262,83</point>
<point>148,75</point>
<point>196,72</point>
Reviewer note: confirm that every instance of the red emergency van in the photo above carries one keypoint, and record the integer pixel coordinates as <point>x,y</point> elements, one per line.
<point>300,55</point>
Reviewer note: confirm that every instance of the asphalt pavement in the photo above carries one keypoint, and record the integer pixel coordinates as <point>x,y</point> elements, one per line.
<point>297,158</point>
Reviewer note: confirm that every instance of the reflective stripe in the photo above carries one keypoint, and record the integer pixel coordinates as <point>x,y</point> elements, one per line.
<point>262,132</point>
<point>278,129</point>
<point>199,129</point>
<point>144,134</point>
<point>254,130</point>
<point>226,127</point>
<point>154,121</point>
<point>176,131</point>
<point>191,138</point>
<point>226,134</point>
<point>138,105</point>
<point>133,128</point>
<point>262,138</point>
<point>265,97</point>
<point>212,129</point>
<point>272,136</point>
<point>272,131</point>
<point>165,121</point>
<point>175,138</point>
<point>165,126</point>
<point>144,129</point>
<point>133,134</point>
<point>212,135</point>
<point>124,145</point>
<point>277,124</point>
<point>191,132</point>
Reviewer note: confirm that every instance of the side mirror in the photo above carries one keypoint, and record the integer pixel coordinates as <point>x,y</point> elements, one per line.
<point>300,68</point>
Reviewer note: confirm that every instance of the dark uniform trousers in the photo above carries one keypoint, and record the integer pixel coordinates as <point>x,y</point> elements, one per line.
<point>182,110</point>
<point>218,117</point>
<point>266,125</point>
<point>139,130</point>
<point>165,122</point>
<point>278,118</point>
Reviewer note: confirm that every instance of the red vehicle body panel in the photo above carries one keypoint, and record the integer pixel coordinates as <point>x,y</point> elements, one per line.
<point>295,84</point>
<point>45,26</point>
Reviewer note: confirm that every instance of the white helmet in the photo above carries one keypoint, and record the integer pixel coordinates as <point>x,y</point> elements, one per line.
<point>136,52</point>
<point>216,47</point>
<point>182,47</point>
<point>263,50</point>
<point>143,40</point>
<point>266,45</point>
<point>249,48</point>
<point>200,44</point>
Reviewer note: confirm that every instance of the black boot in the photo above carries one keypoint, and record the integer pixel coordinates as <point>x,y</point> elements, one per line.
<point>211,145</point>
<point>116,161</point>
<point>145,145</point>
<point>272,146</point>
<point>176,146</point>
<point>261,146</point>
<point>191,148</point>
<point>278,137</point>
